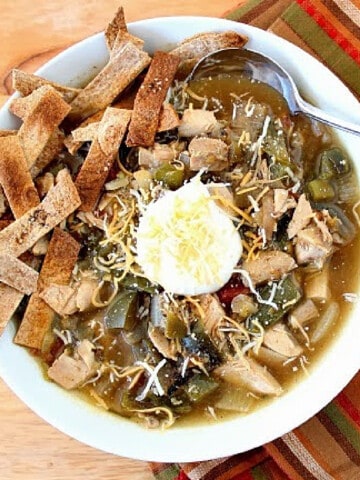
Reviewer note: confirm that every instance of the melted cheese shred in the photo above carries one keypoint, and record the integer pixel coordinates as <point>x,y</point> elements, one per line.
<point>186,243</point>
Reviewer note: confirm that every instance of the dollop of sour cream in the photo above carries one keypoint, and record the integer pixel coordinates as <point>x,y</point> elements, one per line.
<point>186,243</point>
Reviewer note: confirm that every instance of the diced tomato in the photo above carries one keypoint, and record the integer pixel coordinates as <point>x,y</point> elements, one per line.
<point>233,288</point>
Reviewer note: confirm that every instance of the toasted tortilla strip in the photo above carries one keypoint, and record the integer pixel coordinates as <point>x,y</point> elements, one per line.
<point>6,133</point>
<point>121,70</point>
<point>9,297</point>
<point>47,112</point>
<point>15,178</point>
<point>86,134</point>
<point>57,267</point>
<point>4,224</point>
<point>9,301</point>
<point>53,147</point>
<point>149,100</point>
<point>123,38</point>
<point>22,234</point>
<point>201,44</point>
<point>26,83</point>
<point>169,119</point>
<point>197,46</point>
<point>60,298</point>
<point>22,106</point>
<point>116,25</point>
<point>17,274</point>
<point>100,158</point>
<point>88,129</point>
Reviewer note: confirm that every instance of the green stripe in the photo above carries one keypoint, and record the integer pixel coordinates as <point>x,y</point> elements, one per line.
<point>259,472</point>
<point>345,427</point>
<point>239,12</point>
<point>336,59</point>
<point>171,472</point>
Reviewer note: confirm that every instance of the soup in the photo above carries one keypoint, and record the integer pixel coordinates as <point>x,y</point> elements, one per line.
<point>210,271</point>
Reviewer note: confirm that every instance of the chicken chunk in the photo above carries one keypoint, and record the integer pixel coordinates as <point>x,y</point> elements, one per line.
<point>213,310</point>
<point>72,371</point>
<point>196,122</point>
<point>248,373</point>
<point>282,202</point>
<point>269,265</point>
<point>85,292</point>
<point>301,218</point>
<point>208,153</point>
<point>265,217</point>
<point>156,156</point>
<point>317,285</point>
<point>281,340</point>
<point>313,247</point>
<point>303,314</point>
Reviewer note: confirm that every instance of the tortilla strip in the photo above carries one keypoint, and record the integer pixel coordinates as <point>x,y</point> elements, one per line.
<point>201,44</point>
<point>48,111</point>
<point>116,25</point>
<point>85,134</point>
<point>9,301</point>
<point>6,133</point>
<point>149,100</point>
<point>87,130</point>
<point>53,147</point>
<point>26,83</point>
<point>17,274</point>
<point>9,297</point>
<point>22,106</point>
<point>101,156</point>
<point>58,204</point>
<point>4,224</point>
<point>119,72</point>
<point>169,119</point>
<point>60,298</point>
<point>15,178</point>
<point>57,267</point>
<point>123,38</point>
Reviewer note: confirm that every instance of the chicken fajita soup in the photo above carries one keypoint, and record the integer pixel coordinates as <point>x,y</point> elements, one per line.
<point>177,251</point>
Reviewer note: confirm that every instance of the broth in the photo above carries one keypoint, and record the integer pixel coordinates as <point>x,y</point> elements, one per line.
<point>127,354</point>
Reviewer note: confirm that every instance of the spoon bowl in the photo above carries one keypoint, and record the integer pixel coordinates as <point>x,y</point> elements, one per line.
<point>258,67</point>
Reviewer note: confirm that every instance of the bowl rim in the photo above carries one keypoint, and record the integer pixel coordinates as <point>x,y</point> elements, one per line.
<point>207,441</point>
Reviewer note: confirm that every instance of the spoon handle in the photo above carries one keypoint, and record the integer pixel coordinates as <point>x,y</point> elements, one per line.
<point>324,117</point>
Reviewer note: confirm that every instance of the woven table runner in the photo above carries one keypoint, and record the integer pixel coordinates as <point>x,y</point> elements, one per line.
<point>327,447</point>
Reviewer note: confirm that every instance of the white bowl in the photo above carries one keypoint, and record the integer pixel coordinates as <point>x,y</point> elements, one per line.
<point>113,434</point>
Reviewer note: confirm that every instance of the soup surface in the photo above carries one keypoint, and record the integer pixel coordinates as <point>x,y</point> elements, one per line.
<point>216,264</point>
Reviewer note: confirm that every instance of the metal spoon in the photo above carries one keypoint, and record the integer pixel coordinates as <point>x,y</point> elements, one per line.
<point>254,65</point>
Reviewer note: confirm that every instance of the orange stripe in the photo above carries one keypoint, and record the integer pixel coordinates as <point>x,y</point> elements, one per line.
<point>280,459</point>
<point>328,14</point>
<point>333,34</point>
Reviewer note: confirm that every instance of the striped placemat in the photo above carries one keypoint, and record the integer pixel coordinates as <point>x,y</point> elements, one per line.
<point>327,447</point>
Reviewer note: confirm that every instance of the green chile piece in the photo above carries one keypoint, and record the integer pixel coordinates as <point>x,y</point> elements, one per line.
<point>170,176</point>
<point>286,296</point>
<point>175,327</point>
<point>122,312</point>
<point>333,163</point>
<point>200,386</point>
<point>321,190</point>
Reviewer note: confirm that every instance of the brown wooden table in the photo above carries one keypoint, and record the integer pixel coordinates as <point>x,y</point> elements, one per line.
<point>31,32</point>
